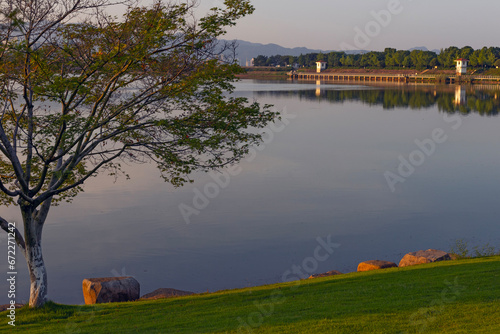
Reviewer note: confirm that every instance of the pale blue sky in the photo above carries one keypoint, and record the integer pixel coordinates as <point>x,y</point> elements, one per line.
<point>322,24</point>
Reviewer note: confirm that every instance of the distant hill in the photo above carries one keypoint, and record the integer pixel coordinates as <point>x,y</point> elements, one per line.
<point>423,48</point>
<point>248,50</point>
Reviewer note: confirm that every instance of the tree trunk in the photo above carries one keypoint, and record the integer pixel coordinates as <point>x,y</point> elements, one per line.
<point>33,224</point>
<point>38,275</point>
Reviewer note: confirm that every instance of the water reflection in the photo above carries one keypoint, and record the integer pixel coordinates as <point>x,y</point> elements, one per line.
<point>322,175</point>
<point>480,99</point>
<point>460,95</point>
<point>318,88</point>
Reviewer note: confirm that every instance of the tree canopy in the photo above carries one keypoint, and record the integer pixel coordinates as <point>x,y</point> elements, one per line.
<point>390,58</point>
<point>82,92</point>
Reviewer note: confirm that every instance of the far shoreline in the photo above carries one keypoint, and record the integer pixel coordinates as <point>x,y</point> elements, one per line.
<point>280,73</point>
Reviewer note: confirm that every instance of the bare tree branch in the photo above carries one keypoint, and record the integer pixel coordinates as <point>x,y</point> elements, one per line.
<point>12,230</point>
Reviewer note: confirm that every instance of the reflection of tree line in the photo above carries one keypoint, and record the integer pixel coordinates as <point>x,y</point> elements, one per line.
<point>482,102</point>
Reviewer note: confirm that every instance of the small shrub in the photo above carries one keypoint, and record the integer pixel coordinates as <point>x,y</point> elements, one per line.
<point>486,250</point>
<point>460,249</point>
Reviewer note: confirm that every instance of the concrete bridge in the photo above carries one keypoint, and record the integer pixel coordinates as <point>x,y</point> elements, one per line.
<point>403,78</point>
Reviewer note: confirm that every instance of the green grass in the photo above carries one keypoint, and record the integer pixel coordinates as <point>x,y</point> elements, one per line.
<point>460,296</point>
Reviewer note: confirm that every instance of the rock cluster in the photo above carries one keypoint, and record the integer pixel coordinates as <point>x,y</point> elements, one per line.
<point>420,257</point>
<point>110,289</point>
<point>410,259</point>
<point>328,273</point>
<point>120,289</point>
<point>375,264</point>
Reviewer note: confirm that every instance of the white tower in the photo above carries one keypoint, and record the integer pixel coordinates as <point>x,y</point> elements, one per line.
<point>462,66</point>
<point>320,66</point>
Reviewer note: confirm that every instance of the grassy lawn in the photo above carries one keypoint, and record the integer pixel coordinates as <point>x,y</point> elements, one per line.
<point>460,296</point>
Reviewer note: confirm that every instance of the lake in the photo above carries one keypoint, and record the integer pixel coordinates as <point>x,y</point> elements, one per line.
<point>351,173</point>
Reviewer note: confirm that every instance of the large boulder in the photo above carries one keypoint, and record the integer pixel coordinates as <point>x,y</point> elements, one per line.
<point>328,273</point>
<point>166,293</point>
<point>110,289</point>
<point>375,264</point>
<point>420,257</point>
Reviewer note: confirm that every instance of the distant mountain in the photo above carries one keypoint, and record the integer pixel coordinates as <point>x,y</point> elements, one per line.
<point>419,48</point>
<point>248,50</point>
<point>423,48</point>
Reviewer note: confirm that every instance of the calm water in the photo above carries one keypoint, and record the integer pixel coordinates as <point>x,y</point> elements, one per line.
<point>335,167</point>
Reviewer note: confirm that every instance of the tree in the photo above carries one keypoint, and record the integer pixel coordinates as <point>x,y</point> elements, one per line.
<point>374,59</point>
<point>489,57</point>
<point>474,58</point>
<point>260,61</point>
<point>301,60</point>
<point>399,57</point>
<point>485,57</point>
<point>421,59</point>
<point>349,60</point>
<point>389,54</point>
<point>415,56</point>
<point>406,62</point>
<point>311,59</point>
<point>333,59</point>
<point>78,98</point>
<point>466,52</point>
<point>343,60</point>
<point>447,56</point>
<point>364,60</point>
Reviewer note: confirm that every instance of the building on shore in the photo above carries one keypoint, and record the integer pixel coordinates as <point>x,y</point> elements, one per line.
<point>462,66</point>
<point>320,66</point>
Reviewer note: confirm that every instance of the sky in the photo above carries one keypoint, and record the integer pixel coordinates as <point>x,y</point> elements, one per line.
<point>368,24</point>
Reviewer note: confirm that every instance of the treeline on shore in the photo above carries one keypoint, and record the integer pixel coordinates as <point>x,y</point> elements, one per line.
<point>390,58</point>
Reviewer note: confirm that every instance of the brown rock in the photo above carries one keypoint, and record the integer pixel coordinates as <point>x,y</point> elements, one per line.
<point>9,306</point>
<point>375,264</point>
<point>110,289</point>
<point>328,273</point>
<point>166,293</point>
<point>420,257</point>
